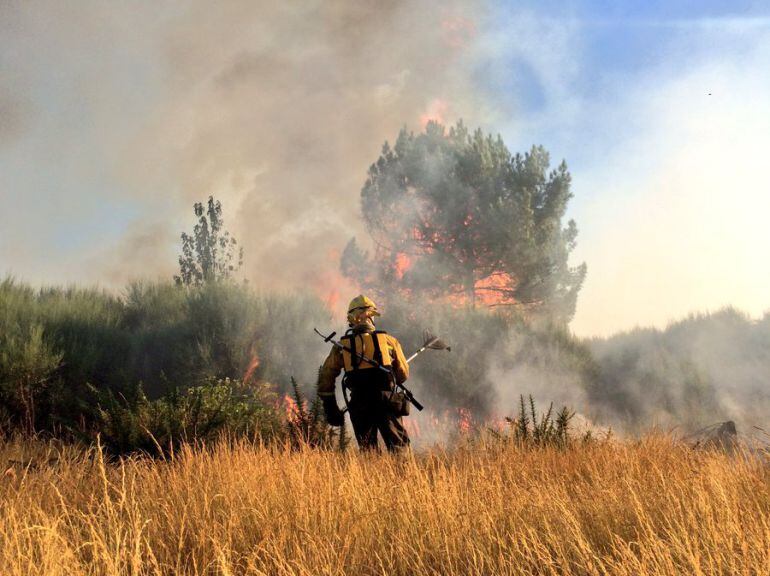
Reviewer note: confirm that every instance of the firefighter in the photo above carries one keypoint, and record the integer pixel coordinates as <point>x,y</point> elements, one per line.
<point>371,404</point>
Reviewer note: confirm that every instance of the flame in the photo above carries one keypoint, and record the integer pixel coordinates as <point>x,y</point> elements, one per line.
<point>330,284</point>
<point>438,426</point>
<point>490,288</point>
<point>435,111</point>
<point>465,420</point>
<point>412,428</point>
<point>495,289</point>
<point>252,365</point>
<point>402,263</point>
<point>292,409</point>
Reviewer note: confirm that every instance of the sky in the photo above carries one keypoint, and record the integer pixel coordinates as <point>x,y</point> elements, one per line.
<point>115,118</point>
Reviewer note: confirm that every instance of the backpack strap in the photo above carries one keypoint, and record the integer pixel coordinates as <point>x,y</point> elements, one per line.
<point>355,361</point>
<point>377,349</point>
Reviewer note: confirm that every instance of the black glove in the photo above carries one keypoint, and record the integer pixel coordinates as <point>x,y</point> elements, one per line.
<point>334,416</point>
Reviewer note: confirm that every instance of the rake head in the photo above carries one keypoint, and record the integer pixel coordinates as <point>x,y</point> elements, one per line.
<point>434,342</point>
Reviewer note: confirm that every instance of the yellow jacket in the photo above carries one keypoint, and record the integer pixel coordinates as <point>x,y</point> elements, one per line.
<point>362,341</point>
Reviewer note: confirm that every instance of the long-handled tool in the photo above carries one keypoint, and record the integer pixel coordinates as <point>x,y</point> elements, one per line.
<point>429,342</point>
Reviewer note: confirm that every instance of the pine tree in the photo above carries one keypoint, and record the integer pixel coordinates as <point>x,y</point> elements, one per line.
<point>454,214</point>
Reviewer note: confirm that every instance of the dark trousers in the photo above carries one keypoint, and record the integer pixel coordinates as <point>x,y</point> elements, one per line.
<point>370,413</point>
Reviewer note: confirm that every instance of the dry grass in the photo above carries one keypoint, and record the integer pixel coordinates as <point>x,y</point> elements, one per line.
<point>650,507</point>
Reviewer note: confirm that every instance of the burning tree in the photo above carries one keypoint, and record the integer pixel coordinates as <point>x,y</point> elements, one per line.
<point>455,215</point>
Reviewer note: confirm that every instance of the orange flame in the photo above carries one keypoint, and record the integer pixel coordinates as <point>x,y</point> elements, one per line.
<point>494,290</point>
<point>329,284</point>
<point>465,422</point>
<point>252,366</point>
<point>412,428</point>
<point>447,425</point>
<point>435,111</point>
<point>332,298</point>
<point>403,263</point>
<point>291,407</point>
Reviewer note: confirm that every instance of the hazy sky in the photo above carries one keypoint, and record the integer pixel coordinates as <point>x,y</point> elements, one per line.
<point>115,117</point>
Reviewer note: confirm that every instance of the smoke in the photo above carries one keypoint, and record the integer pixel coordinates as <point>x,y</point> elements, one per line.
<point>276,109</point>
<point>117,117</point>
<point>13,117</point>
<point>524,365</point>
<point>144,249</point>
<point>700,370</point>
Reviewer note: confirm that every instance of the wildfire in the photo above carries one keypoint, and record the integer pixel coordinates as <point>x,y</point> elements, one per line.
<point>332,298</point>
<point>491,289</point>
<point>436,427</point>
<point>494,290</point>
<point>252,366</point>
<point>412,427</point>
<point>329,284</point>
<point>291,407</point>
<point>436,111</point>
<point>403,263</point>
<point>465,420</point>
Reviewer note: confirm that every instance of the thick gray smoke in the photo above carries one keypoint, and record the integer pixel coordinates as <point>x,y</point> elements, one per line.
<point>277,109</point>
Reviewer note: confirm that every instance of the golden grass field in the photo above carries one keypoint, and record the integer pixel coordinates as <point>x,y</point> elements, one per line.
<point>626,507</point>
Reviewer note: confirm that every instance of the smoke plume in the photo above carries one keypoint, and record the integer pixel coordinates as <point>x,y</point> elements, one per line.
<point>276,109</point>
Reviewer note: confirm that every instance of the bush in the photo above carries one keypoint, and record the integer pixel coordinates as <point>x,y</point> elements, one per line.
<point>703,369</point>
<point>27,360</point>
<point>58,345</point>
<point>548,429</point>
<point>197,414</point>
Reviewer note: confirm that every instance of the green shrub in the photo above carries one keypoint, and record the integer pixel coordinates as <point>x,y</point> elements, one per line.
<point>27,360</point>
<point>58,344</point>
<point>548,429</point>
<point>202,413</point>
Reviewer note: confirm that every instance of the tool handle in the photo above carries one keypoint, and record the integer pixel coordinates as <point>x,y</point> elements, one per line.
<point>409,396</point>
<point>415,403</point>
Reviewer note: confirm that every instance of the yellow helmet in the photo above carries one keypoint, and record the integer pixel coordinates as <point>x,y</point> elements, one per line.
<point>361,302</point>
